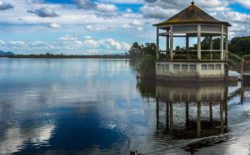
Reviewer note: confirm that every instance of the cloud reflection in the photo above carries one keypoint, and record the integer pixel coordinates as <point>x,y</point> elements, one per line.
<point>14,138</point>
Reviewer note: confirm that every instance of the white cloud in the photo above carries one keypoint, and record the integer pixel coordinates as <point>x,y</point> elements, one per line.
<point>237,17</point>
<point>115,45</point>
<point>17,43</point>
<point>44,12</point>
<point>68,38</point>
<point>106,7</point>
<point>95,28</point>
<point>102,7</point>
<point>108,43</point>
<point>67,44</point>
<point>140,28</point>
<point>244,3</point>
<point>85,4</point>
<point>126,26</point>
<point>2,42</point>
<point>54,25</point>
<point>87,37</point>
<point>91,43</point>
<point>102,19</point>
<point>124,1</point>
<point>157,11</point>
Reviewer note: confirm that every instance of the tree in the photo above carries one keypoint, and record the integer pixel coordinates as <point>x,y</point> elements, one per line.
<point>240,45</point>
<point>139,50</point>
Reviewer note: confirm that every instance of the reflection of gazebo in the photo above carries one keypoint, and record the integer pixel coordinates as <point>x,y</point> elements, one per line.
<point>245,87</point>
<point>192,22</point>
<point>187,104</point>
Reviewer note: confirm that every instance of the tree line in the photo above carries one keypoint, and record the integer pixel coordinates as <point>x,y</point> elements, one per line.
<point>237,45</point>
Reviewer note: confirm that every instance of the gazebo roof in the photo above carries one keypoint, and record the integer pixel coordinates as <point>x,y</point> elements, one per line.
<point>192,15</point>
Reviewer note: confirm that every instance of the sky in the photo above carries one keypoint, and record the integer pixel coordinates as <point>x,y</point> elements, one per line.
<point>100,26</point>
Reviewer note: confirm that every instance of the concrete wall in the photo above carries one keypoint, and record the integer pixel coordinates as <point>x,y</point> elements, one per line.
<point>190,69</point>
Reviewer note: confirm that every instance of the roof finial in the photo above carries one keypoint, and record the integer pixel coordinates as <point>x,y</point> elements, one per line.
<point>192,2</point>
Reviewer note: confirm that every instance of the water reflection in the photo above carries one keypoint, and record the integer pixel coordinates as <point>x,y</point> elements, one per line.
<point>96,106</point>
<point>245,89</point>
<point>195,112</point>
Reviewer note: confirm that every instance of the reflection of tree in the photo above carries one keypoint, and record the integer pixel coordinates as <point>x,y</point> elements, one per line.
<point>145,69</point>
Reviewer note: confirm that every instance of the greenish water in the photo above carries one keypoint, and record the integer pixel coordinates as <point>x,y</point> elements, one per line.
<point>100,106</point>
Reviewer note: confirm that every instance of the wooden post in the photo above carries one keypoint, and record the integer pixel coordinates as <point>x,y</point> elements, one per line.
<point>221,117</point>
<point>187,115</point>
<point>171,117</point>
<point>167,115</point>
<point>167,42</point>
<point>198,119</point>
<point>187,42</point>
<point>157,43</point>
<point>211,47</point>
<point>211,42</point>
<point>171,43</point>
<point>210,112</point>
<point>199,42</point>
<point>242,65</point>
<point>226,53</point>
<point>157,114</point>
<point>187,45</point>
<point>222,43</point>
<point>226,114</point>
<point>242,93</point>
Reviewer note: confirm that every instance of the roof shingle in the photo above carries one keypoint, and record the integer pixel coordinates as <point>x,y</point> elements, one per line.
<point>192,15</point>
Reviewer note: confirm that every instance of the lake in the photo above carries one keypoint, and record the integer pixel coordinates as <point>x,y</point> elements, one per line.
<point>101,106</point>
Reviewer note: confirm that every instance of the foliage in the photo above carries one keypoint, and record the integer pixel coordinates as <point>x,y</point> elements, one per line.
<point>137,50</point>
<point>146,61</point>
<point>240,45</point>
<point>146,66</point>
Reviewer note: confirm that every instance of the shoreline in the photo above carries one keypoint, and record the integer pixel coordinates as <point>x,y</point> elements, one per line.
<point>70,56</point>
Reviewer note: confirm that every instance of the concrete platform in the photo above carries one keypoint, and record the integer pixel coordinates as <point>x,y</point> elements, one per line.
<point>186,71</point>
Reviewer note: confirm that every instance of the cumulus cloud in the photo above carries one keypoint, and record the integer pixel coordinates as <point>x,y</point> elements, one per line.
<point>106,7</point>
<point>95,28</point>
<point>167,8</point>
<point>157,12</point>
<point>237,16</point>
<point>68,44</point>
<point>2,42</point>
<point>44,12</point>
<point>54,25</point>
<point>69,38</point>
<point>102,7</point>
<point>108,43</point>
<point>85,4</point>
<point>244,3</point>
<point>102,17</point>
<point>124,1</point>
<point>5,6</point>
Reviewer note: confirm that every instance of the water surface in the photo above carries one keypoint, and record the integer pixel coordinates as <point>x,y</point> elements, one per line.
<point>97,106</point>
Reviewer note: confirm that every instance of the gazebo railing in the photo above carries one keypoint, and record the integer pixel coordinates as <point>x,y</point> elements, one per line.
<point>206,55</point>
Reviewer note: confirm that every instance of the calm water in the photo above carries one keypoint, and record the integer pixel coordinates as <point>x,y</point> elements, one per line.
<point>92,106</point>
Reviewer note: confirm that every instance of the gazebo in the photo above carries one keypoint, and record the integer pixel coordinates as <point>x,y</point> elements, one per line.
<point>202,60</point>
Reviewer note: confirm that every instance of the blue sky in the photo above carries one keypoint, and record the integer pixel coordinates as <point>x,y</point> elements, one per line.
<point>99,26</point>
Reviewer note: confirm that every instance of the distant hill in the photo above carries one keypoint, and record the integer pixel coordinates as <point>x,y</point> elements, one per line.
<point>5,54</point>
